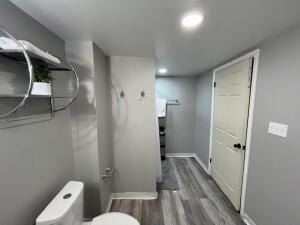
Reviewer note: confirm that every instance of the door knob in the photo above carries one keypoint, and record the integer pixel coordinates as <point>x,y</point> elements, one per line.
<point>238,145</point>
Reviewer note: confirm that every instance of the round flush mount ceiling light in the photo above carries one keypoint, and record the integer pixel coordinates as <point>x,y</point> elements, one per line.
<point>192,20</point>
<point>162,71</point>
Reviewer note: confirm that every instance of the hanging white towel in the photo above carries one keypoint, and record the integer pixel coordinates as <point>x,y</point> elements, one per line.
<point>161,107</point>
<point>32,48</point>
<point>8,44</point>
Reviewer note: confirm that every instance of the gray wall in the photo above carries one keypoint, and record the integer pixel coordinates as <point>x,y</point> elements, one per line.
<point>203,116</point>
<point>92,123</point>
<point>35,160</point>
<point>134,123</point>
<point>84,125</point>
<point>181,119</point>
<point>273,183</point>
<point>271,195</point>
<point>104,121</point>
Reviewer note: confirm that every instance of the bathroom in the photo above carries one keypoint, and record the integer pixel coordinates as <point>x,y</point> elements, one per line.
<point>111,116</point>
<point>42,152</point>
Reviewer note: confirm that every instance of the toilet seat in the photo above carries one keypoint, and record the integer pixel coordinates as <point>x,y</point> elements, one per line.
<point>114,219</point>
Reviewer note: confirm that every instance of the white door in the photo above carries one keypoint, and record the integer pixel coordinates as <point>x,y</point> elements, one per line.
<point>231,103</point>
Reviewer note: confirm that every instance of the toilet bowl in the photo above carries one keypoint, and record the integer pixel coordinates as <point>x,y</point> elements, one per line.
<point>114,218</point>
<point>67,209</point>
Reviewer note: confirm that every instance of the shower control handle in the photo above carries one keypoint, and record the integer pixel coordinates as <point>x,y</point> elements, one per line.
<point>108,173</point>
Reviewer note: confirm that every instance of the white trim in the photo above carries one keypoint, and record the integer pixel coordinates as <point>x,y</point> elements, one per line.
<point>201,163</point>
<point>249,128</point>
<point>135,195</point>
<point>179,155</point>
<point>88,222</point>
<point>255,55</point>
<point>248,220</point>
<point>211,122</point>
<point>130,195</point>
<point>109,202</point>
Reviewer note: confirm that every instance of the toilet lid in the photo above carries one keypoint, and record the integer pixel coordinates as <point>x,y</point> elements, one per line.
<point>114,219</point>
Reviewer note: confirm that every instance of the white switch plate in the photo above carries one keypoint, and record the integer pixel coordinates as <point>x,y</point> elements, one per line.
<point>278,129</point>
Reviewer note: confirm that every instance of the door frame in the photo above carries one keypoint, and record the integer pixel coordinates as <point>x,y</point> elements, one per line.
<point>254,54</point>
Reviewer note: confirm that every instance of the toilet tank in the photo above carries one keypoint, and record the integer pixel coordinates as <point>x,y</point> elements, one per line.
<point>66,208</point>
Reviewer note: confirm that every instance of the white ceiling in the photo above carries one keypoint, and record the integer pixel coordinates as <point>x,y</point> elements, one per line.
<point>152,27</point>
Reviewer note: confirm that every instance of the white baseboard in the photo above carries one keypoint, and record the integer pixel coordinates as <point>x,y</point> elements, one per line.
<point>108,205</point>
<point>130,195</point>
<point>248,220</point>
<point>179,155</point>
<point>87,223</point>
<point>201,163</point>
<point>135,195</point>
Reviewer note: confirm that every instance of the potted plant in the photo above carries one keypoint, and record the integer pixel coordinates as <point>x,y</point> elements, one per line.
<point>42,81</point>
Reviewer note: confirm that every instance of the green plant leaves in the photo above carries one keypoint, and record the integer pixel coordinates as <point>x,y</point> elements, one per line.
<point>42,74</point>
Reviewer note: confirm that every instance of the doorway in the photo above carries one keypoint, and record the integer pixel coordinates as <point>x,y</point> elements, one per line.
<point>231,123</point>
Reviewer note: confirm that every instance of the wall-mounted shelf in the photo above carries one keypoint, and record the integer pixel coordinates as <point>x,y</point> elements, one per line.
<point>31,59</point>
<point>33,96</point>
<point>36,60</point>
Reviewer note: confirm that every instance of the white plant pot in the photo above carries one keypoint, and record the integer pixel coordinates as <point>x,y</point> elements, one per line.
<point>41,88</point>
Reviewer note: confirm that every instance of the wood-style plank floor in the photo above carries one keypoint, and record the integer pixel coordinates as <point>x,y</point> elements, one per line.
<point>198,202</point>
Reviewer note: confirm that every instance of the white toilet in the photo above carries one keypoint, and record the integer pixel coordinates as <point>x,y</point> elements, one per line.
<point>67,209</point>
